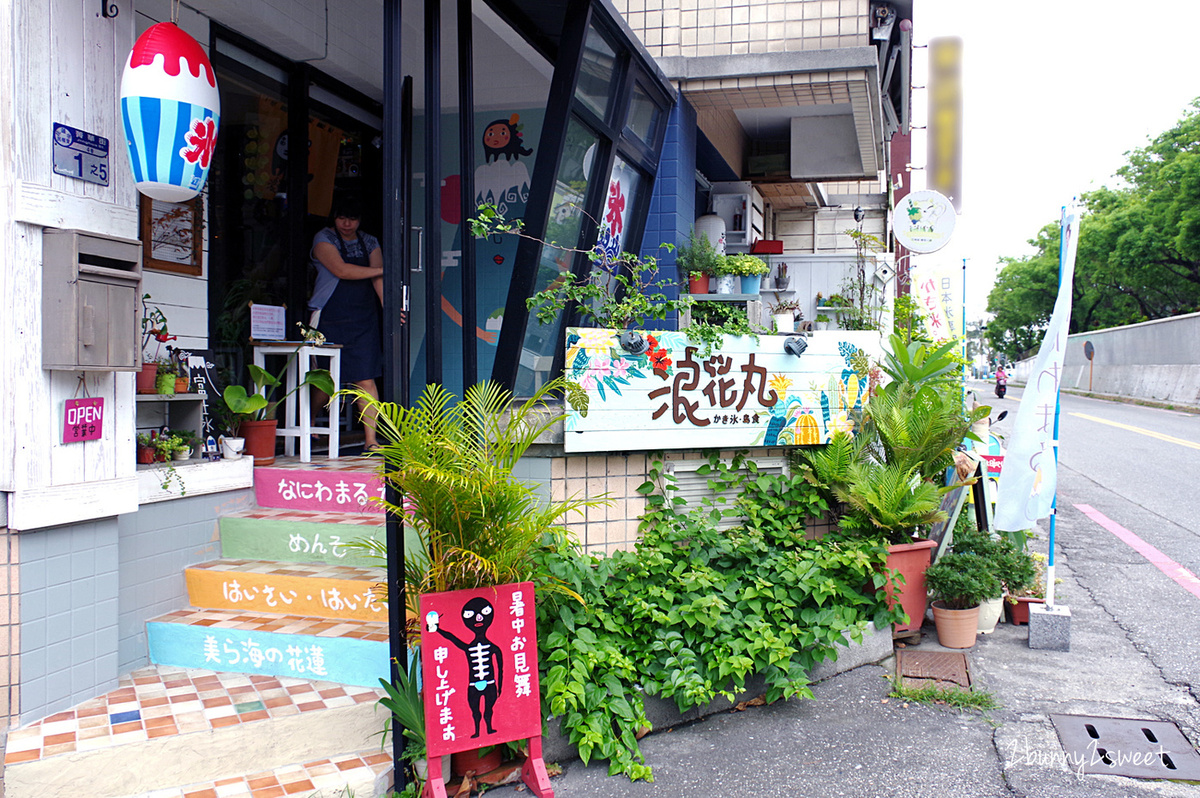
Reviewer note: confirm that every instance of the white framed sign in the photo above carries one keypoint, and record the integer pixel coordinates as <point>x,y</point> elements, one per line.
<point>744,394</point>
<point>924,221</point>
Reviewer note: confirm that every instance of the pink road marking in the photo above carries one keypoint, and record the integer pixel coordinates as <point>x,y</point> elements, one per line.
<point>1162,562</point>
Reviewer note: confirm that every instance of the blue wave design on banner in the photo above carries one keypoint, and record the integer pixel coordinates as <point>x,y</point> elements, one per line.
<point>155,133</point>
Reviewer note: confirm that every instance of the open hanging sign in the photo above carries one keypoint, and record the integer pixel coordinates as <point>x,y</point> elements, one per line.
<point>480,671</point>
<point>83,420</point>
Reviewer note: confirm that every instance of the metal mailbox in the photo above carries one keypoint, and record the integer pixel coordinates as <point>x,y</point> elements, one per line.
<point>91,286</point>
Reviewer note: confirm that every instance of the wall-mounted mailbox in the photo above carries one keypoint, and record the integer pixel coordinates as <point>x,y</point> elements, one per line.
<point>91,286</point>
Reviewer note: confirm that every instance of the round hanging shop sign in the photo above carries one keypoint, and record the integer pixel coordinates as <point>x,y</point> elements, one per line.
<point>924,221</point>
<point>171,108</point>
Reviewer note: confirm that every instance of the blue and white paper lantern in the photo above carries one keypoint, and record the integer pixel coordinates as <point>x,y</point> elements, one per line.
<point>171,109</point>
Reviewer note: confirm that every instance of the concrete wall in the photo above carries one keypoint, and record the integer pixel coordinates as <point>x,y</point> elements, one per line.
<point>1157,360</point>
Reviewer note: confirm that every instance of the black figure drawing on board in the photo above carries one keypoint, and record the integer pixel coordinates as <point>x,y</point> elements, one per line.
<point>485,660</point>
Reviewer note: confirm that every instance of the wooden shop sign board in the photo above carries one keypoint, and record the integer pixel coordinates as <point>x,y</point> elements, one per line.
<point>479,669</point>
<point>745,393</point>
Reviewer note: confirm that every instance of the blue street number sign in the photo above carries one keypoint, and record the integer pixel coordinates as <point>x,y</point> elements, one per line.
<point>80,154</point>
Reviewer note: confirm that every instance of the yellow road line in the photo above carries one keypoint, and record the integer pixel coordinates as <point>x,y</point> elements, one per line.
<point>1139,430</point>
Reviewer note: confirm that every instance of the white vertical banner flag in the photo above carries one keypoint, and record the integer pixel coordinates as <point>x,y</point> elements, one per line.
<point>1030,475</point>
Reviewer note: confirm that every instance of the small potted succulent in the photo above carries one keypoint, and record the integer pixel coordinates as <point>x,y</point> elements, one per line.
<point>822,321</point>
<point>784,314</point>
<point>781,277</point>
<point>145,449</point>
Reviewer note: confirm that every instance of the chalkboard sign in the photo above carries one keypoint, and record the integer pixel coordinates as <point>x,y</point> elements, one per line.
<point>207,383</point>
<point>952,503</point>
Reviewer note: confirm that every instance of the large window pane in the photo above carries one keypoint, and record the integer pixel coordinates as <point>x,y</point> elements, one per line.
<point>597,74</point>
<point>563,228</point>
<point>644,116</point>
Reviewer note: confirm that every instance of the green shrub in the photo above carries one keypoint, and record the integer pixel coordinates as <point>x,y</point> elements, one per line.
<point>694,610</point>
<point>962,580</point>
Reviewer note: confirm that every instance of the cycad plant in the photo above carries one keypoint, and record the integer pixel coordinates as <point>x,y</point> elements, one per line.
<point>452,463</point>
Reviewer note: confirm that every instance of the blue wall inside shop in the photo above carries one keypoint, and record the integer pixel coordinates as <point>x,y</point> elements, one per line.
<point>673,204</point>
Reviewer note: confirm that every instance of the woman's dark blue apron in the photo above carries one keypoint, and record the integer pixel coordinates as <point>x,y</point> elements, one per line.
<point>351,318</point>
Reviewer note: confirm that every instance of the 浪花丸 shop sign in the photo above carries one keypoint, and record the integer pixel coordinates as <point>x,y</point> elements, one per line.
<point>745,393</point>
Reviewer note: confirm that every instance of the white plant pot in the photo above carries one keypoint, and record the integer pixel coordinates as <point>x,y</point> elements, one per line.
<point>727,284</point>
<point>231,448</point>
<point>183,455</point>
<point>784,322</point>
<point>821,325</point>
<point>989,615</point>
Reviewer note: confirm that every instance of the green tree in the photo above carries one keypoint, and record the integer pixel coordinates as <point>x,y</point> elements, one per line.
<point>1139,249</point>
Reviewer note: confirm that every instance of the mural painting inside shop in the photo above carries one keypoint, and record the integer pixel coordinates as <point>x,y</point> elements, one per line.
<point>504,153</point>
<point>747,393</point>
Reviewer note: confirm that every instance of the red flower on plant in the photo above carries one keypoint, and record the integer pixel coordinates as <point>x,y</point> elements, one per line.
<point>202,140</point>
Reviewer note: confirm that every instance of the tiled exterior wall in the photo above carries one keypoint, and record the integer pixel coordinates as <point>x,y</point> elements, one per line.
<point>673,203</point>
<point>156,544</point>
<point>606,528</point>
<point>68,621</point>
<point>736,27</point>
<point>10,629</point>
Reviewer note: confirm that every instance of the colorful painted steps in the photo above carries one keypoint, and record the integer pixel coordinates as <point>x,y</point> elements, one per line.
<point>339,486</point>
<point>172,732</point>
<point>344,651</point>
<point>313,536</point>
<point>326,591</point>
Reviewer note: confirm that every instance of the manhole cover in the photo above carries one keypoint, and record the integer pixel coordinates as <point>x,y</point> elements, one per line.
<point>920,668</point>
<point>1142,749</point>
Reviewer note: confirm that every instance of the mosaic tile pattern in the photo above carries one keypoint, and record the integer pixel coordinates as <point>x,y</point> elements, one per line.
<point>366,465</point>
<point>161,701</point>
<point>308,570</point>
<point>280,624</point>
<point>299,780</point>
<point>311,516</point>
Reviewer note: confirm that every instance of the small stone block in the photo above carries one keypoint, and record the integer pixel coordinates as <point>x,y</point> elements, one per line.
<point>1050,627</point>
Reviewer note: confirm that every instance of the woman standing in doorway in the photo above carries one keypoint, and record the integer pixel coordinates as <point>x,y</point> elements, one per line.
<point>346,301</point>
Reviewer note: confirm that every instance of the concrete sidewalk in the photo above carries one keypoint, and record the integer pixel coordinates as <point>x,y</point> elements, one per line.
<point>853,740</point>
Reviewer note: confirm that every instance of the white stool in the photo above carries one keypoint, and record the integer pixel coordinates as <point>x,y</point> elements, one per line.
<point>297,422</point>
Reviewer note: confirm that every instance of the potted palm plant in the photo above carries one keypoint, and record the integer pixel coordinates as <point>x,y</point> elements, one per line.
<point>477,523</point>
<point>960,582</point>
<point>253,414</point>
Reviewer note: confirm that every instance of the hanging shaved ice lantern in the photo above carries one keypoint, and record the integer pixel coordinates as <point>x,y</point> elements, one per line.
<point>171,109</point>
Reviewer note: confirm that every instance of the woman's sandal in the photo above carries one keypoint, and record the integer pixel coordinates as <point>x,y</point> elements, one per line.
<point>373,449</point>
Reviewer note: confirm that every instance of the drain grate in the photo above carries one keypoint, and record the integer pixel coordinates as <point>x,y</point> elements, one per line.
<point>920,668</point>
<point>1142,749</point>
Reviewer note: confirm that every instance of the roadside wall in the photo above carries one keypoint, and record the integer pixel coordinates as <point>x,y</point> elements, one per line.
<point>1157,360</point>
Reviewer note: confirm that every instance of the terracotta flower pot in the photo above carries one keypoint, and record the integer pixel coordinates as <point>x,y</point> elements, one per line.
<point>911,560</point>
<point>465,762</point>
<point>145,455</point>
<point>956,628</point>
<point>1019,613</point>
<point>181,384</point>
<point>260,440</point>
<point>698,284</point>
<point>146,378</point>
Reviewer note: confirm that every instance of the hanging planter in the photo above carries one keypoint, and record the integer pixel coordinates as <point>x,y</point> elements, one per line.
<point>171,110</point>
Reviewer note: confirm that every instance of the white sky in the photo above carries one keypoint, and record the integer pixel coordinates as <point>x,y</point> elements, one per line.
<point>1055,93</point>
